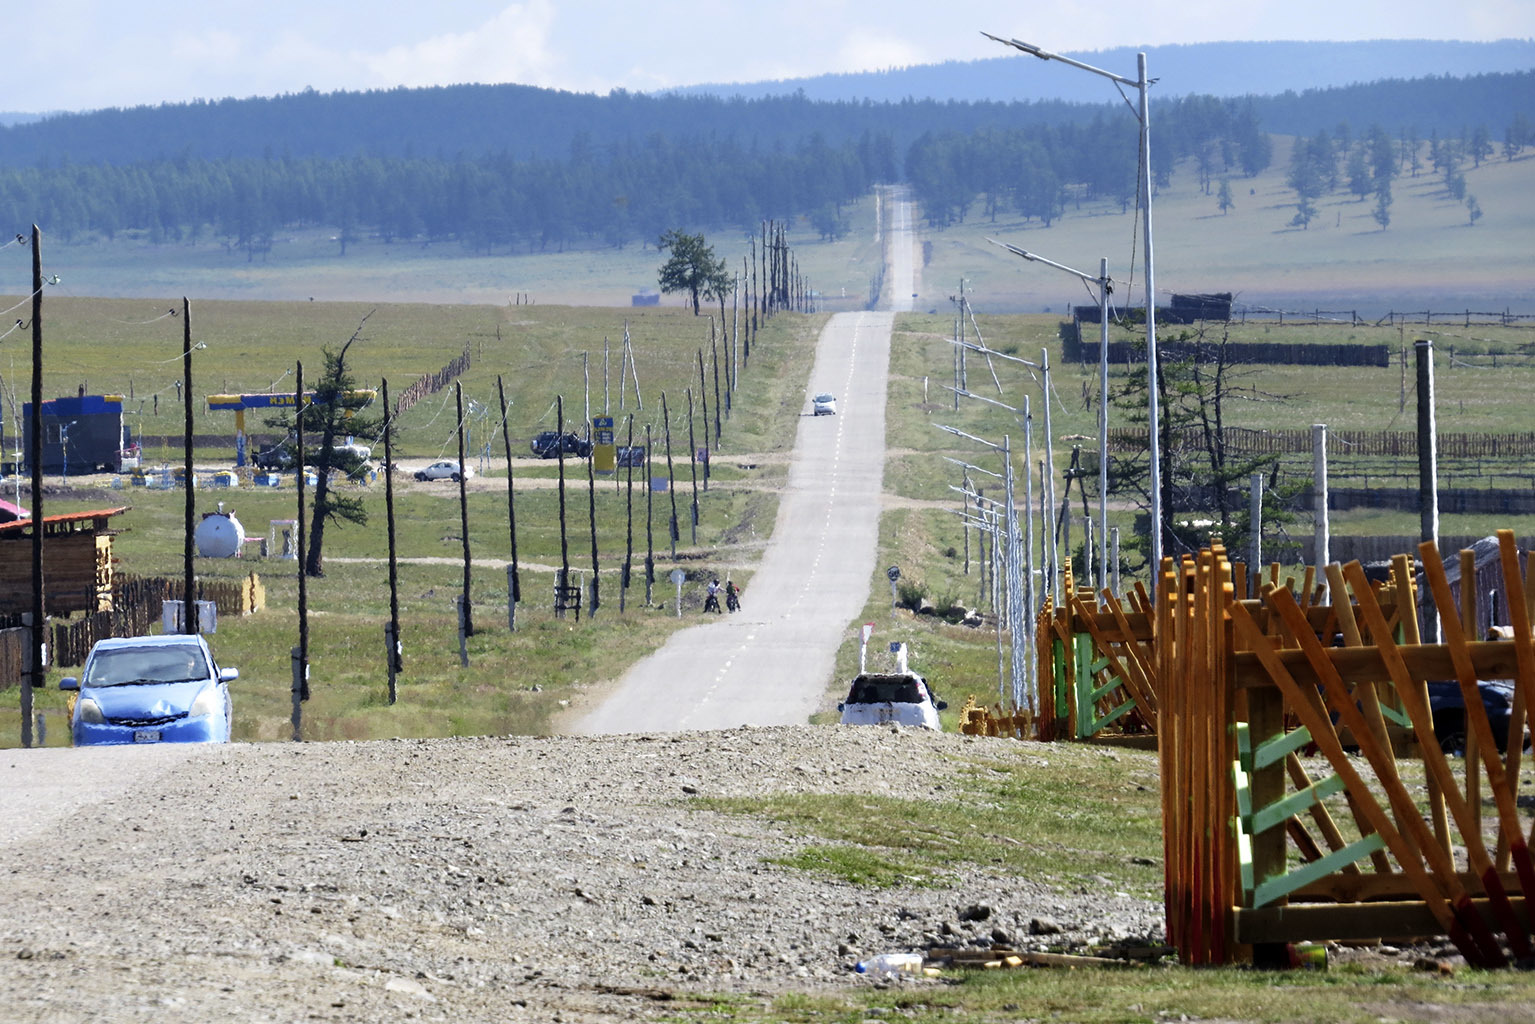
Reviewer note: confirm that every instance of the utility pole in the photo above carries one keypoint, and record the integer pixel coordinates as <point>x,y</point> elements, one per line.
<point>37,671</point>
<point>189,590</point>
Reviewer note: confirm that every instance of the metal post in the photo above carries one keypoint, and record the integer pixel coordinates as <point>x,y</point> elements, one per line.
<point>1254,532</point>
<point>1103,421</point>
<point>1116,560</point>
<point>1031,594</point>
<point>1053,541</point>
<point>463,509</point>
<point>1428,461</point>
<point>1321,553</point>
<point>1017,627</point>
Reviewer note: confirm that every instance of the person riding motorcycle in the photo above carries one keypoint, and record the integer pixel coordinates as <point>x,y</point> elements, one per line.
<point>732,596</point>
<point>712,599</point>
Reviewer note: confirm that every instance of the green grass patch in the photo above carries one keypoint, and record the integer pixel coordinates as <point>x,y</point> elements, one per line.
<point>1098,817</point>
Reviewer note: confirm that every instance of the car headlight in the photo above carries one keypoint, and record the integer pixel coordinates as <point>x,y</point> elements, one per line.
<point>90,712</point>
<point>209,702</point>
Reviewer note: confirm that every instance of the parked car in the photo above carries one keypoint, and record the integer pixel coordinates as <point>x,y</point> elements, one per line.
<point>1448,706</point>
<point>879,698</point>
<point>275,457</point>
<point>446,469</point>
<point>548,443</point>
<point>825,405</point>
<point>151,689</point>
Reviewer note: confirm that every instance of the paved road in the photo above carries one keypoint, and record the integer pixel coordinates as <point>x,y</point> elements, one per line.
<point>770,663</point>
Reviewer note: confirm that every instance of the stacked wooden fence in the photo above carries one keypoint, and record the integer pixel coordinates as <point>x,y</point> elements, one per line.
<point>431,383</point>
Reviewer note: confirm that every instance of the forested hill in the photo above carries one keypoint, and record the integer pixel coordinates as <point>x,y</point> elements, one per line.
<point>523,122</point>
<point>1204,69</point>
<point>497,166</point>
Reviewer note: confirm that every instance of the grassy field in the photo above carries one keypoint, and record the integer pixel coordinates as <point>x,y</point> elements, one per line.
<point>535,349</point>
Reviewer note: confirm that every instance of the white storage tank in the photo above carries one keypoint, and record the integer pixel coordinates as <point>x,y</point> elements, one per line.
<point>219,535</point>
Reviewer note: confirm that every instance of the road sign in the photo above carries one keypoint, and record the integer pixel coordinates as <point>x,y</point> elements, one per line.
<point>604,448</point>
<point>894,572</point>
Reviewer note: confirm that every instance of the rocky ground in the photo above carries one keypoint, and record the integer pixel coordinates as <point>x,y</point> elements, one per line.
<point>496,879</point>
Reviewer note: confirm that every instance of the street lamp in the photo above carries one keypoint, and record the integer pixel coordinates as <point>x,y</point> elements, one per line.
<point>1018,617</point>
<point>1104,287</point>
<point>1143,114</point>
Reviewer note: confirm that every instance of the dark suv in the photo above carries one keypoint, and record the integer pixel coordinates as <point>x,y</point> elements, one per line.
<point>548,444</point>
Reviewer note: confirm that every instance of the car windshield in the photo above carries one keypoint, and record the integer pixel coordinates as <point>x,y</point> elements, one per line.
<point>131,665</point>
<point>825,398</point>
<point>884,689</point>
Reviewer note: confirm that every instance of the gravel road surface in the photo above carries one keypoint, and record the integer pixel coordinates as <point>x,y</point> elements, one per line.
<point>493,879</point>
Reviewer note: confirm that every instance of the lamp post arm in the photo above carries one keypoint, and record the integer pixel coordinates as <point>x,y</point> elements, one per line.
<point>969,437</point>
<point>961,392</point>
<point>966,465</point>
<point>1035,257</point>
<point>1035,51</point>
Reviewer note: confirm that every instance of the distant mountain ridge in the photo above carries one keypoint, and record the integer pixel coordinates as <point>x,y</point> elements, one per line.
<point>1215,69</point>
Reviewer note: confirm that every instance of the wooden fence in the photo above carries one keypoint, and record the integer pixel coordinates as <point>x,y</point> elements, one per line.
<point>137,603</point>
<point>1306,795</point>
<point>1341,443</point>
<point>431,383</point>
<point>1076,348</point>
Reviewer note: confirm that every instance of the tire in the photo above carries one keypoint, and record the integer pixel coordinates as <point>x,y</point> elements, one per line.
<point>421,477</point>
<point>1450,731</point>
<point>454,478</point>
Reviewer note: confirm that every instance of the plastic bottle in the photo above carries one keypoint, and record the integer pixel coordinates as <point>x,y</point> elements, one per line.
<point>891,963</point>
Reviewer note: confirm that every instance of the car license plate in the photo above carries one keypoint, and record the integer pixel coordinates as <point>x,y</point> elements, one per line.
<point>146,735</point>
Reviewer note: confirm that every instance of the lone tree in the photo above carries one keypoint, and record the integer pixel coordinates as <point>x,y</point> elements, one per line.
<point>333,414</point>
<point>693,268</point>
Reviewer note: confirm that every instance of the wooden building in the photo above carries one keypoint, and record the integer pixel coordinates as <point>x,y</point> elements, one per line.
<point>77,563</point>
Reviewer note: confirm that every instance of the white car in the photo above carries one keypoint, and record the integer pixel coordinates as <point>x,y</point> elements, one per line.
<point>825,405</point>
<point>446,469</point>
<point>882,698</point>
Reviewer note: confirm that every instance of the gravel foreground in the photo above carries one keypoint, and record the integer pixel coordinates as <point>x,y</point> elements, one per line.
<point>495,879</point>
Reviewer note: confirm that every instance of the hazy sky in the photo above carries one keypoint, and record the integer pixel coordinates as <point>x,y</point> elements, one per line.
<point>81,54</point>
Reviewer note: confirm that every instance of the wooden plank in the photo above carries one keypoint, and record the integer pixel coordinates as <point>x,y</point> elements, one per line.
<point>1309,922</point>
<point>1491,659</point>
<point>1368,887</point>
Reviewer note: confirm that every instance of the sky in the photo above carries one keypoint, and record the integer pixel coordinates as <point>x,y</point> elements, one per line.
<point>89,54</point>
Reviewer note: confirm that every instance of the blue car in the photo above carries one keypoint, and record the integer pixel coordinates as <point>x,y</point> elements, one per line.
<point>151,689</point>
